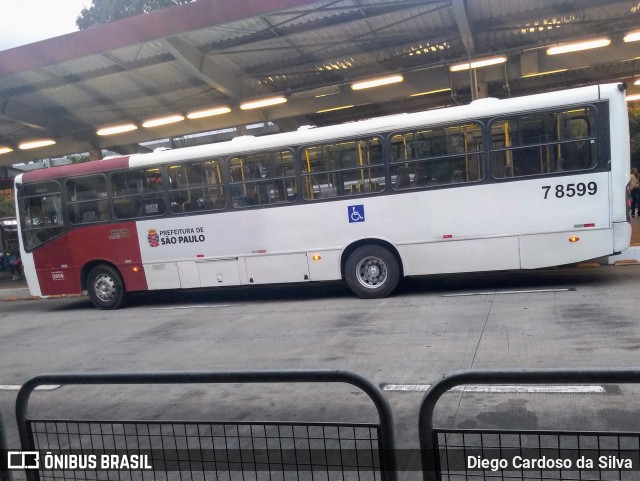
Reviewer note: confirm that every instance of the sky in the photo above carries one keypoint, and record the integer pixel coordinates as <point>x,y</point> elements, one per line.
<point>28,21</point>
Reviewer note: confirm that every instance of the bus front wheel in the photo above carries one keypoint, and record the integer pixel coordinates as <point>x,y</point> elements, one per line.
<point>372,272</point>
<point>106,288</point>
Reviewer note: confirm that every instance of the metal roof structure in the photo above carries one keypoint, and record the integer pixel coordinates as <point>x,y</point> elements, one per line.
<point>214,53</point>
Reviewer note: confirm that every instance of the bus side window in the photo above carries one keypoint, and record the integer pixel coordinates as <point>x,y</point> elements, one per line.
<point>543,143</point>
<point>137,193</point>
<point>579,154</point>
<point>436,156</point>
<point>344,168</point>
<point>87,199</point>
<point>262,178</point>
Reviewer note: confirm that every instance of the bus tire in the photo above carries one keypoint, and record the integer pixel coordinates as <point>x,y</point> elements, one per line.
<point>372,272</point>
<point>105,287</point>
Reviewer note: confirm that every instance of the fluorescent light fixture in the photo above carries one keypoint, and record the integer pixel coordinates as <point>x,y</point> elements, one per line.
<point>5,150</point>
<point>377,82</point>
<point>116,129</point>
<point>633,98</point>
<point>483,62</point>
<point>632,36</point>
<point>169,119</point>
<point>257,104</point>
<point>334,109</point>
<point>431,92</point>
<point>548,72</point>
<point>577,46</point>
<point>34,144</point>
<point>199,114</point>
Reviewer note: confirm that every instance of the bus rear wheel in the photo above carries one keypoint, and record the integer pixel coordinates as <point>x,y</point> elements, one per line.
<point>372,272</point>
<point>106,288</point>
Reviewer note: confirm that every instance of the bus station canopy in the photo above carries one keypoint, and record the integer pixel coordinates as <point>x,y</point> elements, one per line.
<point>306,55</point>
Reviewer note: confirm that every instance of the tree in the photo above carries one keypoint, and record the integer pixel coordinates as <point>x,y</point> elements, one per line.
<point>105,11</point>
<point>634,131</point>
<point>7,205</point>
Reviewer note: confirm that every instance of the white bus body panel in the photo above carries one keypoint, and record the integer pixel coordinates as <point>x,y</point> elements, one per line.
<point>28,263</point>
<point>462,229</point>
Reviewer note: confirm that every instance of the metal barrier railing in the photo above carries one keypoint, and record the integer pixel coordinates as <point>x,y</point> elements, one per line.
<point>5,474</point>
<point>183,450</point>
<point>445,452</point>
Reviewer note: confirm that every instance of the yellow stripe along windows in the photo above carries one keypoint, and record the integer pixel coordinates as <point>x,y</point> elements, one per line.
<point>437,156</point>
<point>344,168</point>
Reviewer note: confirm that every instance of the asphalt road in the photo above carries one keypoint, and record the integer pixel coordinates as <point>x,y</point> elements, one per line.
<point>562,317</point>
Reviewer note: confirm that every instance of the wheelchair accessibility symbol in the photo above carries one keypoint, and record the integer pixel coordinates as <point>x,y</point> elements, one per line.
<point>356,213</point>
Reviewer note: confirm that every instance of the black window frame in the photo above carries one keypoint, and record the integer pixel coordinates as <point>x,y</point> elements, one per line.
<point>159,194</point>
<point>68,204</point>
<point>598,135</point>
<point>413,184</point>
<point>259,185</point>
<point>29,234</point>
<point>360,190</point>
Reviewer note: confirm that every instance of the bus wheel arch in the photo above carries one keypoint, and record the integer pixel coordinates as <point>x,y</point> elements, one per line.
<point>372,268</point>
<point>104,284</point>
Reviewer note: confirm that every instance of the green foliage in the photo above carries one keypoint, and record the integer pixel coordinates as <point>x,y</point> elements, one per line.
<point>78,158</point>
<point>105,11</point>
<point>634,131</point>
<point>7,205</point>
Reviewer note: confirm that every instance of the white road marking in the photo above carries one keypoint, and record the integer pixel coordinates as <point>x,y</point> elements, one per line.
<point>493,293</point>
<point>190,307</point>
<point>505,389</point>
<point>16,387</point>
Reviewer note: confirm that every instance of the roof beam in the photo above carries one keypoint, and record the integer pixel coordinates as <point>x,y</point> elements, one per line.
<point>462,20</point>
<point>207,70</point>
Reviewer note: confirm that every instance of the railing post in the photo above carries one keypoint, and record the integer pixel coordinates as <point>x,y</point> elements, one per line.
<point>428,442</point>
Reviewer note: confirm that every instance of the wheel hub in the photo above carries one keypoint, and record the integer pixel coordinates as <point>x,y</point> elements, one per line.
<point>371,272</point>
<point>105,288</point>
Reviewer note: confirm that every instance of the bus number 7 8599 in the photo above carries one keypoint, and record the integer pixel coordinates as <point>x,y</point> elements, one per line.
<point>570,190</point>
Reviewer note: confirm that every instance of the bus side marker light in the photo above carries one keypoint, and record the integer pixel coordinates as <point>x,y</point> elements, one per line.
<point>574,238</point>
<point>578,226</point>
<point>136,268</point>
<point>316,257</point>
<point>447,236</point>
<point>199,256</point>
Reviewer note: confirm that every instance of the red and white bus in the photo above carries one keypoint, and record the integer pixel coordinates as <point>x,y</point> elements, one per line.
<point>521,183</point>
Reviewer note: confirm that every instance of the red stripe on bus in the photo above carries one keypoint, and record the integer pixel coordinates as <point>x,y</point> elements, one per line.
<point>84,168</point>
